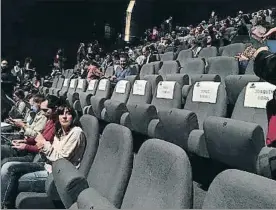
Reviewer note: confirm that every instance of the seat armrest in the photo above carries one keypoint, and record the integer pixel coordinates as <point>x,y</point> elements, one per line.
<point>154,127</point>
<point>185,91</point>
<point>69,181</point>
<point>125,120</point>
<point>30,200</point>
<point>197,143</point>
<point>97,105</point>
<point>131,79</point>
<point>91,199</point>
<point>113,111</point>
<point>140,116</point>
<point>266,163</point>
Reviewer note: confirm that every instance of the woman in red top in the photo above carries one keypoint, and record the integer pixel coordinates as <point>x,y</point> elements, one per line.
<point>271,118</point>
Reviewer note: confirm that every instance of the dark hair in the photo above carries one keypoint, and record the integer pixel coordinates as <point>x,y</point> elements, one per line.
<point>60,111</point>
<point>37,77</point>
<point>38,98</point>
<point>20,94</point>
<point>124,55</point>
<point>53,101</point>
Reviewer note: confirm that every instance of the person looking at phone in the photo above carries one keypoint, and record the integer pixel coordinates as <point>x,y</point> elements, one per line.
<point>19,109</point>
<point>27,145</point>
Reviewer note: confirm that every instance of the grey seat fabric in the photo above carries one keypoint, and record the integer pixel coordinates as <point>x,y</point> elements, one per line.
<point>249,114</point>
<point>161,178</point>
<point>109,173</point>
<point>169,67</point>
<point>157,66</point>
<point>205,109</point>
<point>223,66</point>
<point>234,143</point>
<point>168,56</point>
<point>54,85</point>
<point>233,49</point>
<point>193,66</point>
<point>154,80</point>
<point>208,52</point>
<point>75,96</point>
<point>234,85</point>
<point>71,90</point>
<point>64,88</point>
<point>55,91</point>
<point>181,79</point>
<point>115,107</point>
<point>97,101</point>
<point>109,71</point>
<point>250,68</point>
<point>234,189</point>
<point>84,97</point>
<point>183,55</point>
<point>147,69</point>
<point>90,126</point>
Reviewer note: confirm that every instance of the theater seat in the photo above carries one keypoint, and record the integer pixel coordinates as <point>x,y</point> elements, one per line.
<point>234,189</point>
<point>161,178</point>
<point>109,174</point>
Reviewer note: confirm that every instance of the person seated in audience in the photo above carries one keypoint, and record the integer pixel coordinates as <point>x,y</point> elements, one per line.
<point>245,57</point>
<point>93,71</point>
<point>271,118</point>
<point>19,109</point>
<point>148,57</point>
<point>39,121</point>
<point>123,70</point>
<point>69,143</point>
<point>36,83</point>
<point>22,146</point>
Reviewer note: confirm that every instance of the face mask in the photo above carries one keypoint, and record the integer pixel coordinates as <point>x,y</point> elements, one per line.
<point>34,108</point>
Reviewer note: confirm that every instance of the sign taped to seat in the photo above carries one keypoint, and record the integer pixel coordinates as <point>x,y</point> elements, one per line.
<point>92,84</point>
<point>72,83</point>
<point>139,87</point>
<point>102,84</point>
<point>65,83</point>
<point>80,83</point>
<point>205,92</point>
<point>165,89</point>
<point>121,86</point>
<point>257,94</point>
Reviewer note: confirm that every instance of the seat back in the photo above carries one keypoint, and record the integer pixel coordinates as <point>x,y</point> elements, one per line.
<point>207,98</point>
<point>168,56</point>
<point>82,85</point>
<point>103,89</point>
<point>167,95</point>
<point>193,66</point>
<point>208,52</point>
<point>90,126</point>
<point>183,56</point>
<point>169,67</point>
<point>161,178</point>
<point>73,85</point>
<point>147,69</point>
<point>121,91</point>
<point>251,103</point>
<point>55,82</point>
<point>111,169</point>
<point>223,66</point>
<point>92,86</point>
<point>66,85</point>
<point>250,68</point>
<point>60,83</point>
<point>109,71</point>
<point>233,49</point>
<point>157,66</point>
<point>234,189</point>
<point>141,93</point>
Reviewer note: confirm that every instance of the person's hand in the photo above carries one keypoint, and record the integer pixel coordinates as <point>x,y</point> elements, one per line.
<point>260,50</point>
<point>20,146</point>
<point>40,139</point>
<point>20,124</point>
<point>15,142</point>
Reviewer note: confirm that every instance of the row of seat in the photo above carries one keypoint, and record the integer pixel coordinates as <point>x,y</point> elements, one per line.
<point>160,176</point>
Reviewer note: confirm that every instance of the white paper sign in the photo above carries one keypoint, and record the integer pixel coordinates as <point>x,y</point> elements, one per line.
<point>72,83</point>
<point>65,83</point>
<point>3,124</point>
<point>121,86</point>
<point>205,92</point>
<point>165,89</point>
<point>257,94</point>
<point>80,83</point>
<point>139,87</point>
<point>102,84</point>
<point>92,84</point>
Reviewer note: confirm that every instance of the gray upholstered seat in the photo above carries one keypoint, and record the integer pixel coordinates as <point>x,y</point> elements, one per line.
<point>168,56</point>
<point>115,107</point>
<point>233,49</point>
<point>147,69</point>
<point>234,189</point>
<point>97,101</point>
<point>250,68</point>
<point>54,85</point>
<point>161,178</point>
<point>71,90</point>
<point>108,175</point>
<point>223,66</point>
<point>208,52</point>
<point>169,67</point>
<point>64,89</point>
<point>193,66</point>
<point>183,56</point>
<point>55,91</point>
<point>28,200</point>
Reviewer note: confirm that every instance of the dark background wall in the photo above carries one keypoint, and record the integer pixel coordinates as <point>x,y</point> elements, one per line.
<point>37,28</point>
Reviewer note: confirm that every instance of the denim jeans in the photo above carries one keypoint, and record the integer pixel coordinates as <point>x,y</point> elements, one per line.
<point>8,152</point>
<point>11,172</point>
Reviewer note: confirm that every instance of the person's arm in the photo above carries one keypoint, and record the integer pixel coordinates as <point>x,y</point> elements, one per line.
<point>73,142</point>
<point>35,127</point>
<point>271,31</point>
